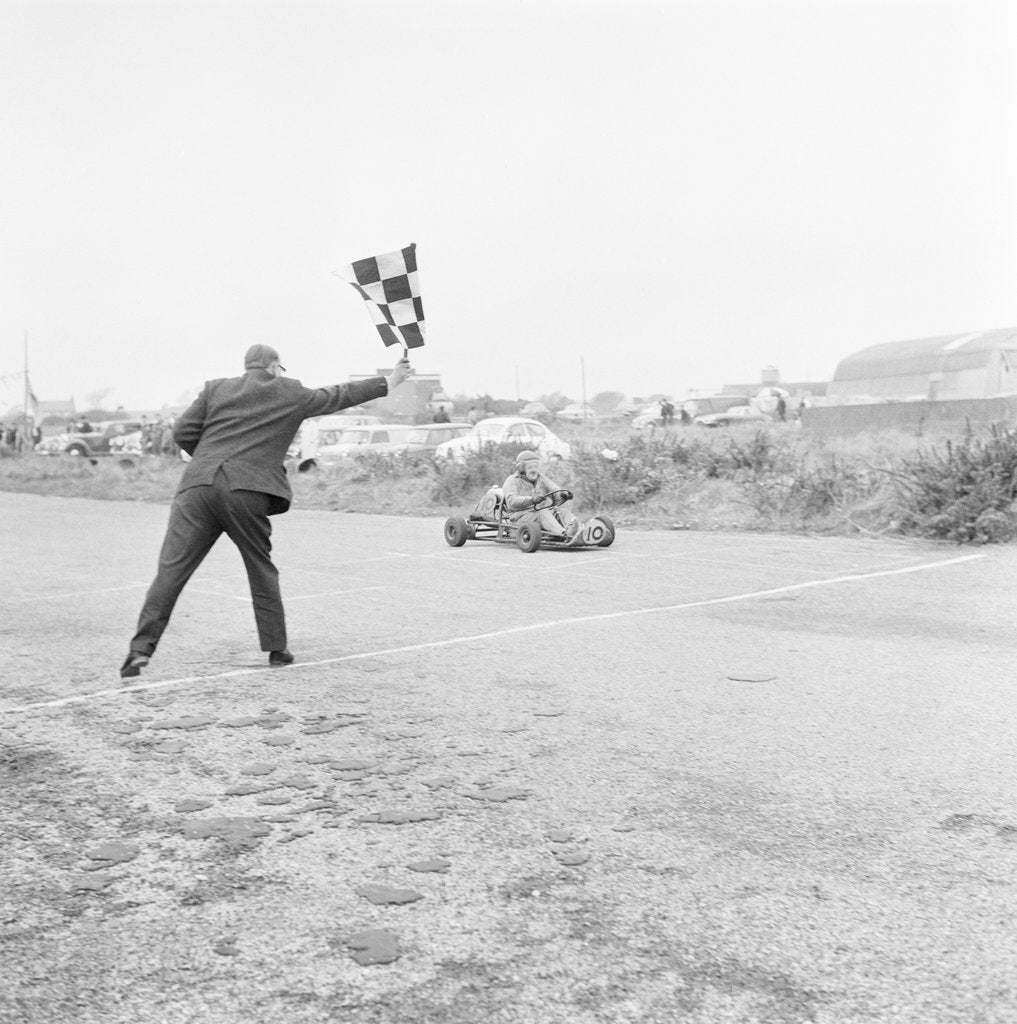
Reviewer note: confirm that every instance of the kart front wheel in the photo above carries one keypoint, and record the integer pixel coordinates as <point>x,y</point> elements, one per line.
<point>528,537</point>
<point>457,531</point>
<point>608,538</point>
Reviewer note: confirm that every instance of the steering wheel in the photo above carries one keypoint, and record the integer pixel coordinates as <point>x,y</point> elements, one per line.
<point>552,499</point>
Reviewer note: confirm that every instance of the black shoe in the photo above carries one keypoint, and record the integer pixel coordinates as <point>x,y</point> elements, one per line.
<point>135,662</point>
<point>277,658</point>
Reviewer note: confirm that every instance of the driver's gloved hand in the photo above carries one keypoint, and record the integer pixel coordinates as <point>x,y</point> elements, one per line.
<point>568,496</point>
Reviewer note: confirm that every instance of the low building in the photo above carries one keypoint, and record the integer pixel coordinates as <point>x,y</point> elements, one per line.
<point>769,377</point>
<point>57,409</point>
<point>982,364</point>
<point>944,384</point>
<point>415,400</point>
<point>796,389</point>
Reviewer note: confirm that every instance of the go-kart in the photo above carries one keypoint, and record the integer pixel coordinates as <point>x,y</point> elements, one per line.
<point>490,521</point>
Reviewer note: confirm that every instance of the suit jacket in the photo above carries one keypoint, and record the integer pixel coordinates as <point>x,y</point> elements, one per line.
<point>246,424</point>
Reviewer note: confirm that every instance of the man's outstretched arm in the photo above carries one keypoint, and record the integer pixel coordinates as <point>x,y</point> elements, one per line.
<point>342,396</point>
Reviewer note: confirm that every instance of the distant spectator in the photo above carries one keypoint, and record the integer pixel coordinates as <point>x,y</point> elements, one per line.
<point>168,445</point>
<point>685,417</point>
<point>441,416</point>
<point>781,408</point>
<point>474,415</point>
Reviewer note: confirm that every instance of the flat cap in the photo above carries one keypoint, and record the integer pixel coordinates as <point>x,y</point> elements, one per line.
<point>261,357</point>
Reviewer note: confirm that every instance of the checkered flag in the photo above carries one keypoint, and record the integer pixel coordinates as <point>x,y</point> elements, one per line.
<point>390,287</point>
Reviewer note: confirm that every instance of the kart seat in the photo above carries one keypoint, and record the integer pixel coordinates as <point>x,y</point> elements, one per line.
<point>490,503</point>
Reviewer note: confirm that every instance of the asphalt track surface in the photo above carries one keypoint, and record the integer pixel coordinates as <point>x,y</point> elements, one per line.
<point>693,777</point>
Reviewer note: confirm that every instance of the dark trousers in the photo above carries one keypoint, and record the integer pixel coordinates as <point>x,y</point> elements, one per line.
<point>198,517</point>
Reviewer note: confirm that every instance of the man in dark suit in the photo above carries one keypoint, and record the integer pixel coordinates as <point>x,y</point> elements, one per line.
<point>237,432</point>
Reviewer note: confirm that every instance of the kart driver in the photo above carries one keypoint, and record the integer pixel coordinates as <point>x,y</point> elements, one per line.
<point>525,487</point>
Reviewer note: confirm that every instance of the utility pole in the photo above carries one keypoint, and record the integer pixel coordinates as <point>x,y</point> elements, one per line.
<point>28,390</point>
<point>582,370</point>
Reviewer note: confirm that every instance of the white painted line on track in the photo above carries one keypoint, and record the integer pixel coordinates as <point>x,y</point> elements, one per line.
<point>245,598</point>
<point>285,569</point>
<point>769,567</point>
<point>386,557</point>
<point>218,594</point>
<point>522,563</point>
<point>77,593</point>
<point>335,593</point>
<point>494,634</point>
<point>573,561</point>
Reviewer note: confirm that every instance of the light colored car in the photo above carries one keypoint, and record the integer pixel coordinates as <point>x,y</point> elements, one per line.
<point>89,443</point>
<point>348,444</point>
<point>52,445</point>
<point>537,411</point>
<point>424,439</point>
<point>736,414</point>
<point>324,430</point>
<point>577,412</point>
<point>340,421</point>
<point>649,417</point>
<point>515,430</point>
<point>702,405</point>
<point>128,444</point>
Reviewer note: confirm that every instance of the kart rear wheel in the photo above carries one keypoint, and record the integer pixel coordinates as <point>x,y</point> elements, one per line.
<point>608,539</point>
<point>457,531</point>
<point>528,537</point>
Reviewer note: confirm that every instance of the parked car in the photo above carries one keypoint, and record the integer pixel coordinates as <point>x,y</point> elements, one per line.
<point>53,445</point>
<point>126,440</point>
<point>326,424</point>
<point>703,405</point>
<point>515,430</point>
<point>323,430</point>
<point>91,443</point>
<point>736,414</point>
<point>424,439</point>
<point>127,444</point>
<point>537,411</point>
<point>649,417</point>
<point>577,412</point>
<point>352,442</point>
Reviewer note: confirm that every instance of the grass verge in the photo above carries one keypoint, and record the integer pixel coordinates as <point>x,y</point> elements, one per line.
<point>960,489</point>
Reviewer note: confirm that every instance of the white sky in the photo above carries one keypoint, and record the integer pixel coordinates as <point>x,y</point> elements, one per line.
<point>677,193</point>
